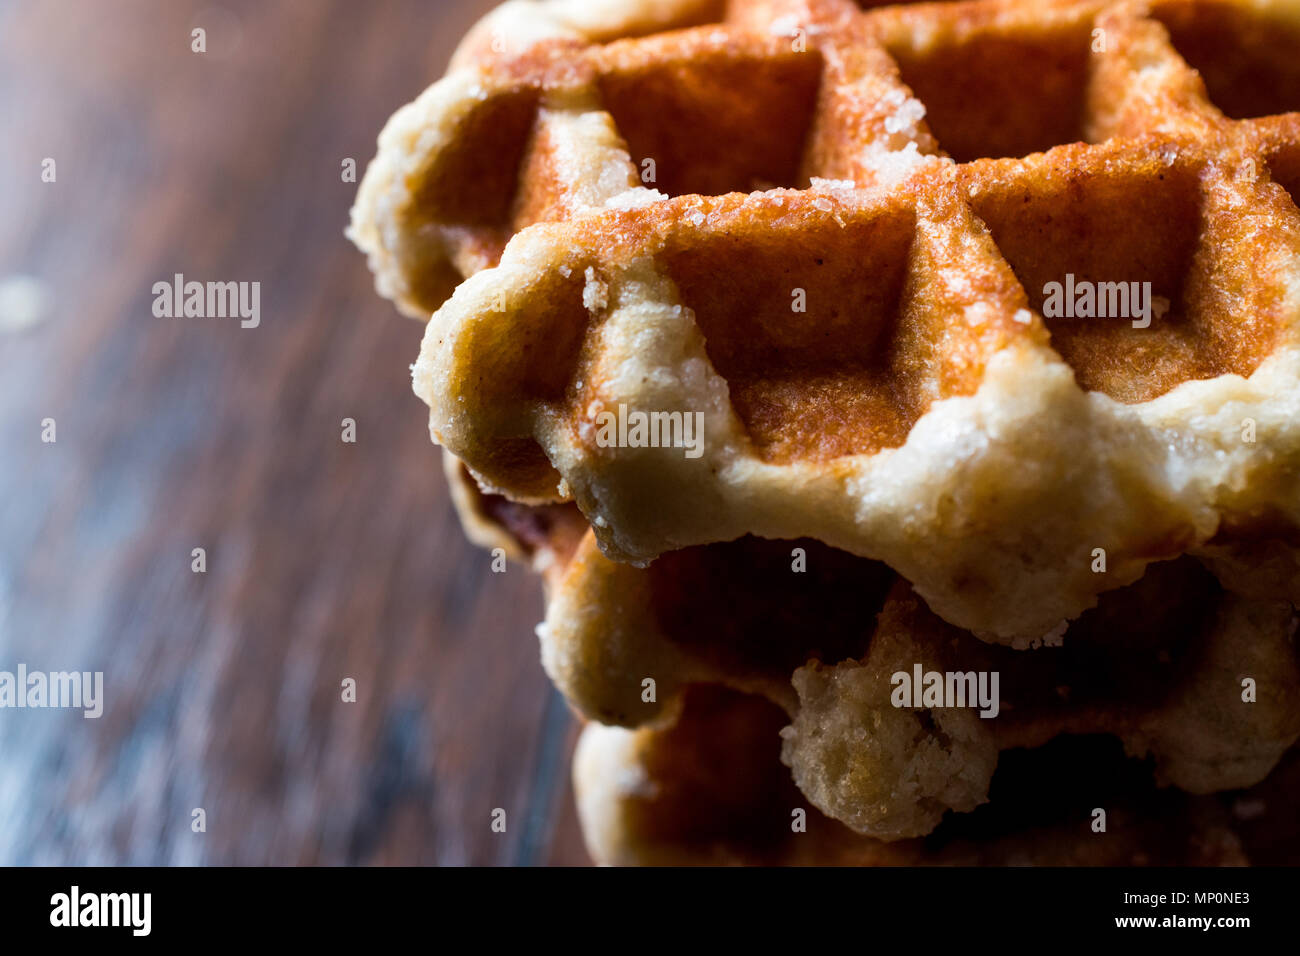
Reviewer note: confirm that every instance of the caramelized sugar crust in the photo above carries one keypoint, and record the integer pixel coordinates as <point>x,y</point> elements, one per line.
<point>832,233</point>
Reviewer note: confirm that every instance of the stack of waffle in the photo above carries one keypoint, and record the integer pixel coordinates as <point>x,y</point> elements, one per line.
<point>901,406</point>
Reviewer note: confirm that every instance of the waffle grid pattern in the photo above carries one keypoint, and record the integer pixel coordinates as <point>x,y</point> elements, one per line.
<point>921,411</point>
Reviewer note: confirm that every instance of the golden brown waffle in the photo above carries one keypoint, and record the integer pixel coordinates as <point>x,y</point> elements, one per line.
<point>709,789</point>
<point>914,176</point>
<point>1158,666</point>
<point>921,411</point>
<point>513,134</point>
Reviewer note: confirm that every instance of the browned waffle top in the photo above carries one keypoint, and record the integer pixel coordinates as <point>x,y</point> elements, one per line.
<point>910,338</point>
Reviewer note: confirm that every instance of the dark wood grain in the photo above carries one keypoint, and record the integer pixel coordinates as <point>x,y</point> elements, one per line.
<point>326,560</point>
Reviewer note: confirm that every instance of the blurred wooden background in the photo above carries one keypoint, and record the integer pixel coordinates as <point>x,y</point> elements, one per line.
<point>326,560</point>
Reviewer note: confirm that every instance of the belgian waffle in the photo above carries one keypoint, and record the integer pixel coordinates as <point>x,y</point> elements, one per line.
<point>1158,666</point>
<point>922,411</point>
<point>655,185</point>
<point>709,789</point>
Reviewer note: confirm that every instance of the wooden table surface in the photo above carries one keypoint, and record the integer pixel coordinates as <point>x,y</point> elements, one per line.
<point>325,560</point>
